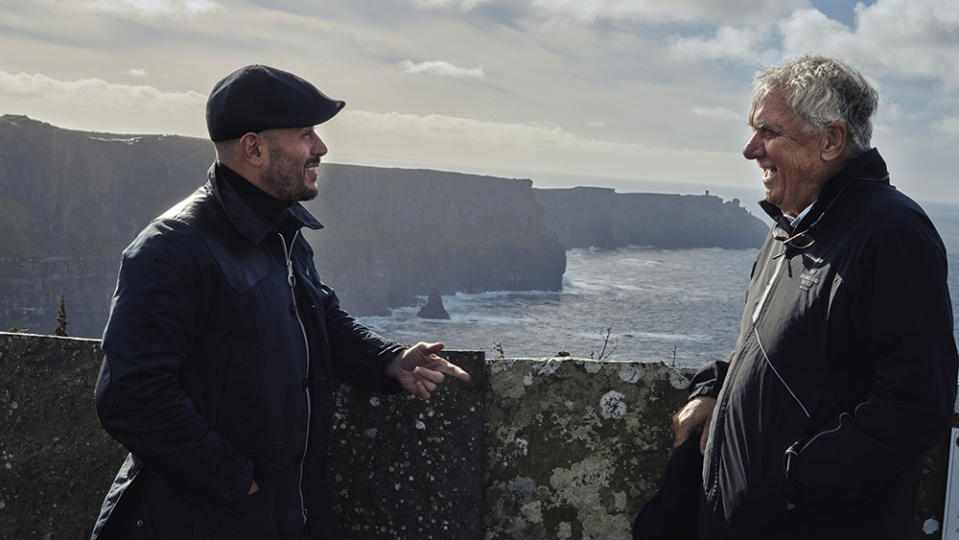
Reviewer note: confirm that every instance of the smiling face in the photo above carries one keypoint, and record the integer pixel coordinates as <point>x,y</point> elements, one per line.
<point>790,153</point>
<point>294,156</point>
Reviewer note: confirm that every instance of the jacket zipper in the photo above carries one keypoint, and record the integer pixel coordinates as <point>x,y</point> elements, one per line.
<point>710,472</point>
<point>769,286</point>
<point>291,280</point>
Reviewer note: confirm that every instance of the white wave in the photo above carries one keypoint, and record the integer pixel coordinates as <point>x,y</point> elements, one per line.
<point>496,295</point>
<point>662,336</point>
<point>398,322</point>
<point>492,320</point>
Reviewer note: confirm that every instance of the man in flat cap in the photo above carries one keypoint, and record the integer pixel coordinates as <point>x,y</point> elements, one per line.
<point>222,342</point>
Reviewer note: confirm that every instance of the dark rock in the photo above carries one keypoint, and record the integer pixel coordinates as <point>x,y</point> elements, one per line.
<point>434,307</point>
<point>584,217</point>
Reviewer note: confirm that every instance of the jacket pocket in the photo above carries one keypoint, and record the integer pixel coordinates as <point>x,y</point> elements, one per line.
<point>150,509</point>
<point>252,517</point>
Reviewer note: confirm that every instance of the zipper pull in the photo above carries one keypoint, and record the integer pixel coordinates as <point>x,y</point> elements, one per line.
<point>290,278</point>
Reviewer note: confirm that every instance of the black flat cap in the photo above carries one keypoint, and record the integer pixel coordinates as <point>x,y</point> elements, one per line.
<point>256,98</point>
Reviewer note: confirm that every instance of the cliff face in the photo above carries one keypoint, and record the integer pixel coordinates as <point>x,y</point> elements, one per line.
<point>80,194</point>
<point>599,217</point>
<point>393,233</point>
<point>71,201</point>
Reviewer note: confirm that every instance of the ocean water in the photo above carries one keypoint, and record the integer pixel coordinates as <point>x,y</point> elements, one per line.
<point>678,305</point>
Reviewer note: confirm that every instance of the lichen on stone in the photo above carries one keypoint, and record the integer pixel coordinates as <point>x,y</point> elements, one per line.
<point>631,372</point>
<point>930,526</point>
<point>611,405</point>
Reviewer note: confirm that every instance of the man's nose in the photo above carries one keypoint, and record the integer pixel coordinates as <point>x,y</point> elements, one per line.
<point>319,147</point>
<point>754,147</point>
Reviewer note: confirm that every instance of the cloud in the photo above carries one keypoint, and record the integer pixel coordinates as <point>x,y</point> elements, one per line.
<point>949,125</point>
<point>442,141</point>
<point>443,127</point>
<point>718,113</point>
<point>99,105</point>
<point>596,124</point>
<point>659,11</point>
<point>442,68</point>
<point>889,111</point>
<point>151,8</point>
<point>903,39</point>
<point>136,72</point>
<point>93,92</point>
<point>461,4</point>
<point>729,42</point>
<point>589,11</point>
<point>897,38</point>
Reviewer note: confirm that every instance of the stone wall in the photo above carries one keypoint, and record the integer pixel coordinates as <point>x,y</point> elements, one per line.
<point>533,448</point>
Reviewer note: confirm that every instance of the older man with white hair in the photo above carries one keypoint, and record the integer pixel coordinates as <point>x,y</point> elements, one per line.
<point>844,372</point>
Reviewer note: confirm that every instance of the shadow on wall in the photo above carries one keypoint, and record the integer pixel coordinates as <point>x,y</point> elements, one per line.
<point>533,448</point>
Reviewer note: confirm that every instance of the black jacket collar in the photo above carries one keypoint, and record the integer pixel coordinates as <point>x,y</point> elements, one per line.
<point>866,166</point>
<point>251,224</point>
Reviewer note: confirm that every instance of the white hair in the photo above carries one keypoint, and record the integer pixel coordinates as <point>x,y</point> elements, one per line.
<point>822,90</point>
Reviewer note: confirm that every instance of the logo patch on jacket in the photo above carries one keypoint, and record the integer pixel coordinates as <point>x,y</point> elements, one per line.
<point>807,280</point>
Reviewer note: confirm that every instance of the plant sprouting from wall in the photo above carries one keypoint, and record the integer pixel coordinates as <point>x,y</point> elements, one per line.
<point>61,329</point>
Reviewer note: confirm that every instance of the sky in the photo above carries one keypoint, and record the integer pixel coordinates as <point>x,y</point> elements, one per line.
<point>622,93</point>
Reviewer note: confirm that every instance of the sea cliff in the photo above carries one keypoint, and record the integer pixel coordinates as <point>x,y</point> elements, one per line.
<point>70,201</point>
<point>599,217</point>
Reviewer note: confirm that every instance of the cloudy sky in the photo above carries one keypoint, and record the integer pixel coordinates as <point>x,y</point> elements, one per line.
<point>566,92</point>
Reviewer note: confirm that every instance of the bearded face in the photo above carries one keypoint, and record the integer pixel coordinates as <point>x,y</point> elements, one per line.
<point>294,159</point>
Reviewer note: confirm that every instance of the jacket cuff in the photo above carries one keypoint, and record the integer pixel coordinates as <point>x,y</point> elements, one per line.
<point>708,380</point>
<point>707,390</point>
<point>389,385</point>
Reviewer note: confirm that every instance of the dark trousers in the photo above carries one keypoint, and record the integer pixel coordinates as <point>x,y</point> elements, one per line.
<point>673,512</point>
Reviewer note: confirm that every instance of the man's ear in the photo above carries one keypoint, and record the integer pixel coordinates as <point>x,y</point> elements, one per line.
<point>252,149</point>
<point>834,142</point>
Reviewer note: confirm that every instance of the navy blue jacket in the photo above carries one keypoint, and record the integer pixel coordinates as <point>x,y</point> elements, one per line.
<point>843,375</point>
<point>220,353</point>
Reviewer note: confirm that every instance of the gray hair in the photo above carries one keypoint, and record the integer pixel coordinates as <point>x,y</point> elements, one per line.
<point>822,90</point>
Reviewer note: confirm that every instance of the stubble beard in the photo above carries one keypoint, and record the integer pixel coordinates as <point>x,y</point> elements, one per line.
<point>286,178</point>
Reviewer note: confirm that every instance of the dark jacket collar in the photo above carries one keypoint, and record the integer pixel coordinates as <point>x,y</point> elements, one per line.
<point>263,204</point>
<point>252,225</point>
<point>866,166</point>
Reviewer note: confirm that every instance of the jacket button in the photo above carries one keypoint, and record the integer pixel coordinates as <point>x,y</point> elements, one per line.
<point>139,523</point>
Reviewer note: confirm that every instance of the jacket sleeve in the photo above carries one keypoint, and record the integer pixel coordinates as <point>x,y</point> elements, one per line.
<point>159,301</point>
<point>709,379</point>
<point>360,355</point>
<point>901,324</point>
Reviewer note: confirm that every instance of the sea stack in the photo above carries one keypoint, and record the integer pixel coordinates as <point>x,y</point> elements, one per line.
<point>434,307</point>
